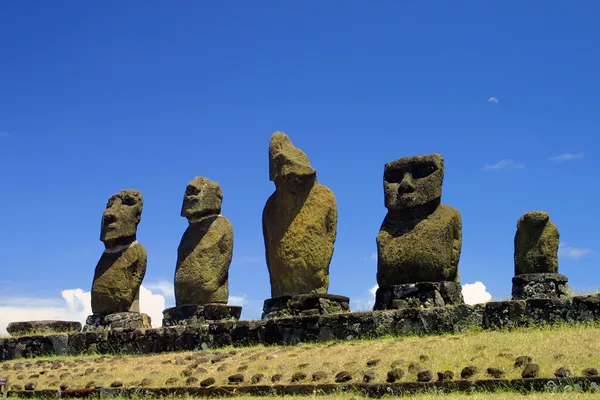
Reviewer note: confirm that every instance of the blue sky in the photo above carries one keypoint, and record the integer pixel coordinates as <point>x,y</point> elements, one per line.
<point>102,96</point>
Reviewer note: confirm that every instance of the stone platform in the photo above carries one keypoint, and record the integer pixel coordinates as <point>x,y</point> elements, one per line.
<point>539,286</point>
<point>122,320</point>
<point>305,305</point>
<point>195,314</point>
<point>418,295</point>
<point>42,327</point>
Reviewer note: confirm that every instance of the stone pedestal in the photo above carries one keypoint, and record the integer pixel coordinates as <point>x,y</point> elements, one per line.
<point>196,314</point>
<point>418,295</point>
<point>305,304</point>
<point>122,320</point>
<point>539,286</point>
<point>21,328</point>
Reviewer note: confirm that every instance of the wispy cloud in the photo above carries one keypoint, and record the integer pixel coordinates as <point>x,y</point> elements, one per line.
<point>566,157</point>
<point>373,256</point>
<point>163,287</point>
<point>573,252</point>
<point>507,163</point>
<point>493,100</point>
<point>364,303</point>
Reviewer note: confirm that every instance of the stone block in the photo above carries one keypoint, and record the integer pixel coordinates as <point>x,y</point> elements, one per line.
<point>196,314</point>
<point>122,320</point>
<point>305,305</point>
<point>539,286</point>
<point>21,328</point>
<point>418,295</point>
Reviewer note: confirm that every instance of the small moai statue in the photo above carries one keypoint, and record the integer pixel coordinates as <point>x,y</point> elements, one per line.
<point>536,259</point>
<point>299,226</point>
<point>203,259</point>
<point>121,268</point>
<point>419,243</point>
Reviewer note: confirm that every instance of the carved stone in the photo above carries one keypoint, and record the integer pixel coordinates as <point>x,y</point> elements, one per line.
<point>19,328</point>
<point>299,223</point>
<point>304,305</point>
<point>420,239</point>
<point>121,320</point>
<point>206,249</point>
<point>197,314</point>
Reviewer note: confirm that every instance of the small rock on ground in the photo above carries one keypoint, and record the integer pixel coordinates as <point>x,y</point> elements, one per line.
<point>236,378</point>
<point>495,372</point>
<point>445,376</point>
<point>298,377</point>
<point>395,375</point>
<point>319,376</point>
<point>531,371</point>
<point>562,372</point>
<point>369,376</point>
<point>207,382</point>
<point>522,360</point>
<point>257,378</point>
<point>424,376</point>
<point>343,376</point>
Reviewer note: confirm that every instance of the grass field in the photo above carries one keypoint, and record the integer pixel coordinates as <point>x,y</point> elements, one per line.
<point>575,347</point>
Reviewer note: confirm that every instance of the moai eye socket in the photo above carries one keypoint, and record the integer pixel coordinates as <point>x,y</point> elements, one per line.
<point>395,175</point>
<point>191,190</point>
<point>423,170</point>
<point>129,201</point>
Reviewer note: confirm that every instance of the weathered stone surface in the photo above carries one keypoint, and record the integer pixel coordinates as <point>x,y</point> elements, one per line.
<point>19,328</point>
<point>299,223</point>
<point>420,295</point>
<point>206,249</point>
<point>539,286</point>
<point>293,330</point>
<point>420,239</point>
<point>122,266</point>
<point>536,244</point>
<point>123,320</point>
<point>195,314</point>
<point>305,305</point>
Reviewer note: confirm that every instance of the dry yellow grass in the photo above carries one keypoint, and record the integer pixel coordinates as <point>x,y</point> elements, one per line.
<point>576,347</point>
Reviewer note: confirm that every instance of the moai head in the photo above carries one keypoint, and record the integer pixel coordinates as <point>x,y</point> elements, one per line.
<point>413,181</point>
<point>202,198</point>
<point>287,163</point>
<point>121,216</point>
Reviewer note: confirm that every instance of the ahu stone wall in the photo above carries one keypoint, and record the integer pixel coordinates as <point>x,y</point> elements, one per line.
<point>318,328</point>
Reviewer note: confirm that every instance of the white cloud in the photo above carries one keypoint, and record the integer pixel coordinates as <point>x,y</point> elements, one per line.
<point>566,157</point>
<point>573,252</point>
<point>504,164</point>
<point>493,100</point>
<point>364,303</point>
<point>162,287</point>
<point>475,293</point>
<point>237,300</point>
<point>76,306</point>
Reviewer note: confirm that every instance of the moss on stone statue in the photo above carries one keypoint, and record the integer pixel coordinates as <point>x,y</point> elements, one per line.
<point>536,244</point>
<point>299,223</point>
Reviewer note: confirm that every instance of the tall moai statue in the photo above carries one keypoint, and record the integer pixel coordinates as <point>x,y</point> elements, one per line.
<point>536,259</point>
<point>299,226</point>
<point>419,243</point>
<point>121,268</point>
<point>203,259</point>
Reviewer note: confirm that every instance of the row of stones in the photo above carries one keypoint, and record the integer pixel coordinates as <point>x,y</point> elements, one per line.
<point>368,389</point>
<point>285,331</point>
<point>531,370</point>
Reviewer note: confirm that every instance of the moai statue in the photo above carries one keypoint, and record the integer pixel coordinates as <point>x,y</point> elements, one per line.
<point>203,259</point>
<point>121,268</point>
<point>419,243</point>
<point>536,259</point>
<point>299,227</point>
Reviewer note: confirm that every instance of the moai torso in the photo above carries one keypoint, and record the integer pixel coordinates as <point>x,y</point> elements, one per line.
<point>122,267</point>
<point>206,249</point>
<point>420,239</point>
<point>299,223</point>
<point>536,244</point>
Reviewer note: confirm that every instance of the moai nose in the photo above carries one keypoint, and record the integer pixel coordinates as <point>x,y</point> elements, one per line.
<point>407,185</point>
